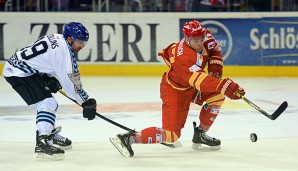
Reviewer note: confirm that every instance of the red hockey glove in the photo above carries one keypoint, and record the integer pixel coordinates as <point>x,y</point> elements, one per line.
<point>215,68</point>
<point>229,88</point>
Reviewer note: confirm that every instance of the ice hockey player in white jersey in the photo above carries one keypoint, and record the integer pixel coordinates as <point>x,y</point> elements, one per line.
<point>42,68</point>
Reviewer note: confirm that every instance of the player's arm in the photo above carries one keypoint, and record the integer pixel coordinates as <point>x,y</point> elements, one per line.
<point>74,89</point>
<point>206,83</point>
<point>69,77</point>
<point>215,62</point>
<point>71,83</point>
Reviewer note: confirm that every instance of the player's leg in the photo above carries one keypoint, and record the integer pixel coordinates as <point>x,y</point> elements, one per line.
<point>173,120</point>
<point>33,90</point>
<point>156,135</point>
<point>150,135</point>
<point>45,122</point>
<point>208,114</point>
<point>175,107</point>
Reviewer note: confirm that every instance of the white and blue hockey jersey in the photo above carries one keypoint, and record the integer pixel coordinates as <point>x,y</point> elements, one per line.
<point>52,55</point>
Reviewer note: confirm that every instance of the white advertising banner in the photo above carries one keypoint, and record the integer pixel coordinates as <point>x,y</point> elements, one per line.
<point>115,38</point>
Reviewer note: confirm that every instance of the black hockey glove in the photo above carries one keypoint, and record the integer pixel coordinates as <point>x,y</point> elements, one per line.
<point>52,83</point>
<point>89,109</point>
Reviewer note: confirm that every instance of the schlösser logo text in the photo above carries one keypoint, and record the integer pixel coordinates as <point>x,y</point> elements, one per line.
<point>221,34</point>
<point>282,38</point>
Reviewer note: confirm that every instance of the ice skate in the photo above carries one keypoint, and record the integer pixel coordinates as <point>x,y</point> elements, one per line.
<point>60,141</point>
<point>201,141</point>
<point>45,149</point>
<point>122,143</point>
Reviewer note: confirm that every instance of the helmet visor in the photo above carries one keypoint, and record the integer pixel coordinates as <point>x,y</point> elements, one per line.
<point>80,42</point>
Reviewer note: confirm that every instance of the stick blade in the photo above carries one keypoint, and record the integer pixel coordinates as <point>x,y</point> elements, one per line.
<point>176,144</point>
<point>279,110</point>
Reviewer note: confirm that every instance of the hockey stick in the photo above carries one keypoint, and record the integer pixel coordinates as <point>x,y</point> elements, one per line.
<point>273,116</point>
<point>99,115</point>
<point>174,145</point>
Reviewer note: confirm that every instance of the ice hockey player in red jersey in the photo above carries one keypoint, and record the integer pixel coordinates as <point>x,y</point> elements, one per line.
<point>42,68</point>
<point>184,83</point>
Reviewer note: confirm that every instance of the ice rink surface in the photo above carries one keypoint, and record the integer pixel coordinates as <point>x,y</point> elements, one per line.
<point>134,102</point>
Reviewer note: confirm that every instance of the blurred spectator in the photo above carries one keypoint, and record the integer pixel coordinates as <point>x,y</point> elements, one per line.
<point>158,5</point>
<point>82,5</point>
<point>179,6</point>
<point>168,5</point>
<point>152,5</point>
<point>188,5</point>
<point>31,5</point>
<point>59,5</point>
<point>117,5</point>
<point>136,6</point>
<point>256,5</point>
<point>208,5</point>
<point>2,5</point>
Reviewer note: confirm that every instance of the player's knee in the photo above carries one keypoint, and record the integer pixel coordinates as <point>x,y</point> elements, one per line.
<point>48,105</point>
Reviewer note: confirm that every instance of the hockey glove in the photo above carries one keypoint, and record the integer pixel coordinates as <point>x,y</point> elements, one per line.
<point>89,109</point>
<point>52,83</point>
<point>229,88</point>
<point>215,68</point>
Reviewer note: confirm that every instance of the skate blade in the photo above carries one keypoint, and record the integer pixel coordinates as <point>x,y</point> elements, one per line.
<point>196,146</point>
<point>66,147</point>
<point>43,156</point>
<point>63,147</point>
<point>117,144</point>
<point>176,144</point>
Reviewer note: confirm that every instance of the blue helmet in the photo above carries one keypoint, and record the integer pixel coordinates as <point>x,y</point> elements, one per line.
<point>76,30</point>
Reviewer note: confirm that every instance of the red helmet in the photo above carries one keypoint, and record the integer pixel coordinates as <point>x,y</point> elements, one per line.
<point>193,29</point>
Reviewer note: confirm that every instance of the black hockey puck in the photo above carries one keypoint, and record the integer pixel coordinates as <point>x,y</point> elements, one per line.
<point>253,137</point>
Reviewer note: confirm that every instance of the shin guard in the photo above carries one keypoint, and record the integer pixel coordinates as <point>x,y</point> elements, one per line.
<point>208,115</point>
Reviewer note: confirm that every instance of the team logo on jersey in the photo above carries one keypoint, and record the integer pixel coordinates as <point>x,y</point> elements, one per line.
<point>214,111</point>
<point>194,68</point>
<point>211,45</point>
<point>76,79</point>
<point>9,70</point>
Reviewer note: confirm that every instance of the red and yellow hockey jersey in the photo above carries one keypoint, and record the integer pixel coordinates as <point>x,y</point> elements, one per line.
<point>186,66</point>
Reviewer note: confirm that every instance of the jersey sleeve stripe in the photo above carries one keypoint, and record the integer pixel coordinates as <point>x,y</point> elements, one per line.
<point>192,79</point>
<point>200,79</point>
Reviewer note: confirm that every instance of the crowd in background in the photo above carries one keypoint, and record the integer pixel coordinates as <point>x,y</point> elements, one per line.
<point>148,5</point>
